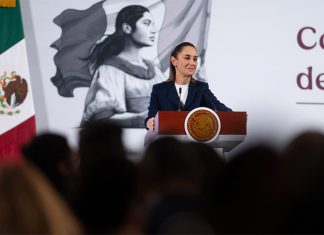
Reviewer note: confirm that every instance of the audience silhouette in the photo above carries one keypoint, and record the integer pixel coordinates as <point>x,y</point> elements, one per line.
<point>175,188</point>
<point>172,185</point>
<point>303,184</point>
<point>30,205</point>
<point>52,155</point>
<point>107,185</point>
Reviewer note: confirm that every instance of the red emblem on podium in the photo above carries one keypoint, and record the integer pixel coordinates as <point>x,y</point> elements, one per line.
<point>202,125</point>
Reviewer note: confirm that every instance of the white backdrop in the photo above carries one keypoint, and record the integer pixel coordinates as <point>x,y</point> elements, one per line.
<point>252,61</point>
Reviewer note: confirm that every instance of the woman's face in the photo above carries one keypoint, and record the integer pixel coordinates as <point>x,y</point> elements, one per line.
<point>144,33</point>
<point>186,61</point>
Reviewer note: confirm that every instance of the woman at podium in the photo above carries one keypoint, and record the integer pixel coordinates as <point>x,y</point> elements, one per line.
<point>181,91</point>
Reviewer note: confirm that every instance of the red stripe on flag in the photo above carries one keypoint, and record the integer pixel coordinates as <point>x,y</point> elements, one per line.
<point>11,141</point>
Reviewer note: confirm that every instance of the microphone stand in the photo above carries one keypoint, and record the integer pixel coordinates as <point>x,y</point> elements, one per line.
<point>179,105</point>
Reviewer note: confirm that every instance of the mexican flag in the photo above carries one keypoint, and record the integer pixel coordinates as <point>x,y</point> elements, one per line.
<point>17,115</point>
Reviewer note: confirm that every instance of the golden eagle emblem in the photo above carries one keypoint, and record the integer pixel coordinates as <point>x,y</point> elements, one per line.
<point>13,92</point>
<point>202,125</point>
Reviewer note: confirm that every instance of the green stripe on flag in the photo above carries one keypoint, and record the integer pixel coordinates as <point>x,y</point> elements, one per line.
<point>11,30</point>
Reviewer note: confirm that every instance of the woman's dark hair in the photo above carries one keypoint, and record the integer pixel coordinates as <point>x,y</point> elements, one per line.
<point>115,43</point>
<point>175,53</point>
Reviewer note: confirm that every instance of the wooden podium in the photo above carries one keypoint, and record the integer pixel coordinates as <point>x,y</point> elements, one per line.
<point>172,123</point>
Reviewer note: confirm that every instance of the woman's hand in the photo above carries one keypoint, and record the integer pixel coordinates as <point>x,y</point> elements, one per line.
<point>150,124</point>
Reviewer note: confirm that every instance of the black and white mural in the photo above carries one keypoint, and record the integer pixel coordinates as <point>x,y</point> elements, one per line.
<point>101,48</point>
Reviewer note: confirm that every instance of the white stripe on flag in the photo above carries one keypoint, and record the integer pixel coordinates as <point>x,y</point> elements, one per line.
<point>15,59</point>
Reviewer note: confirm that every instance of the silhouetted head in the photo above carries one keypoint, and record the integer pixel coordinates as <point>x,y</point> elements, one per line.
<point>52,154</point>
<point>107,183</point>
<point>165,165</point>
<point>99,140</point>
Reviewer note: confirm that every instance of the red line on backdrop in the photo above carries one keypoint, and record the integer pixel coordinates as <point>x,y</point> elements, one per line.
<point>311,103</point>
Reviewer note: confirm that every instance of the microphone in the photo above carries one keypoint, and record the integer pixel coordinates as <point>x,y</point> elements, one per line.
<point>179,105</point>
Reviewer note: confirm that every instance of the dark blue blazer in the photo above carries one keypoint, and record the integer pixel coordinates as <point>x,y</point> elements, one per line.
<point>164,97</point>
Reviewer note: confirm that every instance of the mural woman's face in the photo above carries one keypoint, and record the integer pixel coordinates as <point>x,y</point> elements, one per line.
<point>144,33</point>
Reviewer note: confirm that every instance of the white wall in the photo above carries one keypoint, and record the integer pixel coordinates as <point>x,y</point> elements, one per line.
<point>254,60</point>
